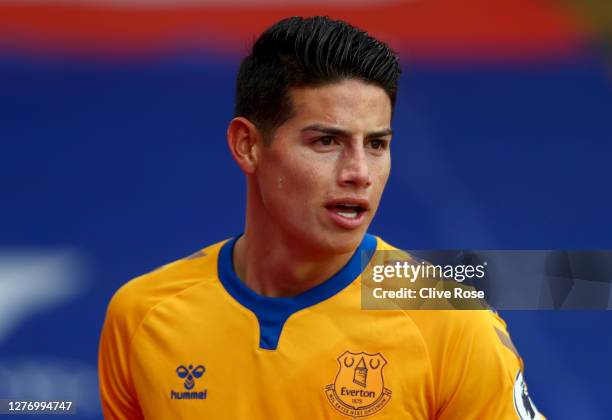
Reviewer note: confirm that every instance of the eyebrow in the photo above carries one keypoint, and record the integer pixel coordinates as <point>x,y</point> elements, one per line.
<point>339,132</point>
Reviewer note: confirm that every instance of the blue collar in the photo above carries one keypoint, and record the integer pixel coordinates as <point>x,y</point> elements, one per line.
<point>273,312</point>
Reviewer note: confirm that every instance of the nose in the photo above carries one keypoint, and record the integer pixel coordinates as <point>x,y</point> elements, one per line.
<point>354,170</point>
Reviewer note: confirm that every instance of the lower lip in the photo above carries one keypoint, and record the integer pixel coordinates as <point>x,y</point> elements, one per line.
<point>346,222</point>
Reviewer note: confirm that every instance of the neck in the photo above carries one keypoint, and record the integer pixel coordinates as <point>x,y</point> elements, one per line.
<point>274,265</point>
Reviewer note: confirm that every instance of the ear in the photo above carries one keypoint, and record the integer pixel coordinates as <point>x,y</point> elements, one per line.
<point>244,141</point>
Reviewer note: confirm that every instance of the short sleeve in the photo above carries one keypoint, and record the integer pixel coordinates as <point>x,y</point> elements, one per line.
<point>117,393</point>
<point>482,374</point>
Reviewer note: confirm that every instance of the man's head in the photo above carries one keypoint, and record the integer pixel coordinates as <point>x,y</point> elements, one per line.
<point>312,132</point>
<point>300,52</point>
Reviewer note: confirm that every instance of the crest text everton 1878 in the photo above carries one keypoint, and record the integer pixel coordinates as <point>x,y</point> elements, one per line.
<point>359,388</point>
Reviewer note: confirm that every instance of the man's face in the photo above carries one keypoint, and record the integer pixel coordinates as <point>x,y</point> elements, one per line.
<point>322,177</point>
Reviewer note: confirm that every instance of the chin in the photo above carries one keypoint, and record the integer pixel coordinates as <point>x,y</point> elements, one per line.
<point>337,243</point>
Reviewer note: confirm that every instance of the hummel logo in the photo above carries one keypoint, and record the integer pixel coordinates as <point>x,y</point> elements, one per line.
<point>190,374</point>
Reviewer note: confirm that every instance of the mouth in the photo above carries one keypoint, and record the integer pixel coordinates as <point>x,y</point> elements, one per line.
<point>351,211</point>
<point>348,214</point>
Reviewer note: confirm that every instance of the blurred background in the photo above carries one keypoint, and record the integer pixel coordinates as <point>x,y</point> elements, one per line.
<point>113,161</point>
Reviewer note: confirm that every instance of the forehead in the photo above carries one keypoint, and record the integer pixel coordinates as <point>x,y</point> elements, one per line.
<point>349,103</point>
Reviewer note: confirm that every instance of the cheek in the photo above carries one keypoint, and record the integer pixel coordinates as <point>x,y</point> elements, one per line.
<point>381,168</point>
<point>380,176</point>
<point>290,181</point>
<point>300,185</point>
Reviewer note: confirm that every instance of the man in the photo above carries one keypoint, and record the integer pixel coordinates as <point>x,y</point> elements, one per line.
<point>268,325</point>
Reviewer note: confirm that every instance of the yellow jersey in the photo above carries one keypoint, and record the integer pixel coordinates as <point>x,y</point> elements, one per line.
<point>191,341</point>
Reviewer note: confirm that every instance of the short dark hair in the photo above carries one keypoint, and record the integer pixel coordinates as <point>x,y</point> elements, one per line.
<point>299,52</point>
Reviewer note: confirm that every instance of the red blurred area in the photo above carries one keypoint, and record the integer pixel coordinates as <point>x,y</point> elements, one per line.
<point>427,30</point>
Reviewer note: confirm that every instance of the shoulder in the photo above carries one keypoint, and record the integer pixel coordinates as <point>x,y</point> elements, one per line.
<point>456,326</point>
<point>477,332</point>
<point>132,301</point>
<point>464,345</point>
<point>470,353</point>
<point>449,321</point>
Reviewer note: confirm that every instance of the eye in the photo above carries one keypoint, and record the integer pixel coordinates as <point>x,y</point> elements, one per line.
<point>325,140</point>
<point>327,143</point>
<point>378,144</point>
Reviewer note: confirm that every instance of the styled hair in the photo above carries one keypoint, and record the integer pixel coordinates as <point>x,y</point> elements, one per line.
<point>303,52</point>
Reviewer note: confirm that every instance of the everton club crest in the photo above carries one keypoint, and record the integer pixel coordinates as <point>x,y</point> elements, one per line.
<point>359,388</point>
